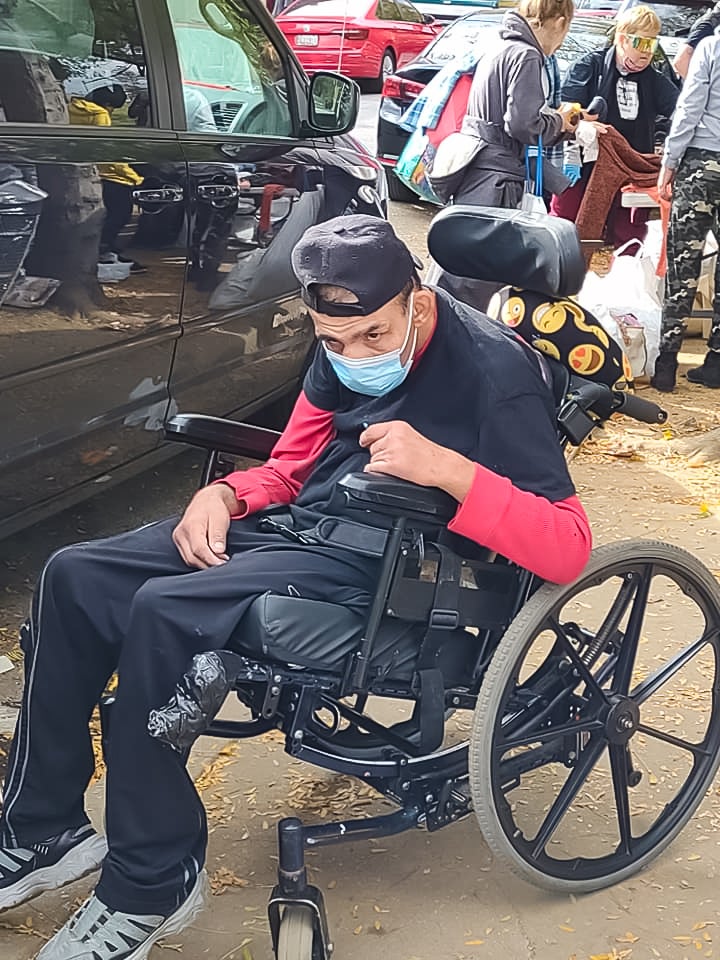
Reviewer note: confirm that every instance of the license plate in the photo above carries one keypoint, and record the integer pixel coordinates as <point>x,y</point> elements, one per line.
<point>306,40</point>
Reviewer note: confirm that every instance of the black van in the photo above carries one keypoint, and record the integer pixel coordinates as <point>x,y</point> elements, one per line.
<point>158,161</point>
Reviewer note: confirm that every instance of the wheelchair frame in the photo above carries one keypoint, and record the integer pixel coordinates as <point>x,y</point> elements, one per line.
<point>429,784</point>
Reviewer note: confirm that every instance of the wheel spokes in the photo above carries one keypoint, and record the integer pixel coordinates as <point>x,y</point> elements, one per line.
<point>631,639</point>
<point>546,734</point>
<point>617,611</point>
<point>619,768</point>
<point>696,749</point>
<point>579,664</point>
<point>569,790</point>
<point>643,691</point>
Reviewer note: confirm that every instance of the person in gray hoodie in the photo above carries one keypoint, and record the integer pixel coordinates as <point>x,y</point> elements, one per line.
<point>690,174</point>
<point>507,112</point>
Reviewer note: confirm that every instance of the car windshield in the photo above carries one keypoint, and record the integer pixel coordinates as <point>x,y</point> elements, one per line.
<point>327,8</point>
<point>480,34</point>
<point>208,58</point>
<point>461,37</point>
<point>676,18</point>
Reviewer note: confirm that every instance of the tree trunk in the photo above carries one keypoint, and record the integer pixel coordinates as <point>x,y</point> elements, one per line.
<point>68,236</point>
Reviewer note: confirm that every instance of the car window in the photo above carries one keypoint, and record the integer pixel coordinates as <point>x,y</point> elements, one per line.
<point>408,12</point>
<point>77,62</point>
<point>233,76</point>
<point>387,10</point>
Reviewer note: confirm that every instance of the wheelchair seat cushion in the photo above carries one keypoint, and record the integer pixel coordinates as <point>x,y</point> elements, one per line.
<point>537,253</point>
<point>320,636</point>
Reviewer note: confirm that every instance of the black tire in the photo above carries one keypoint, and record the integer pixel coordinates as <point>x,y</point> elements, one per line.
<point>296,934</point>
<point>387,67</point>
<point>397,190</point>
<point>597,703</point>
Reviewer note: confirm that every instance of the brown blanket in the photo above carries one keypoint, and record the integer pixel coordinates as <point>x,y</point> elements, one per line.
<point>617,165</point>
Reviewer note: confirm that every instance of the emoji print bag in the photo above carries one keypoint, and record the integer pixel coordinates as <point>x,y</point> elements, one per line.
<point>562,329</point>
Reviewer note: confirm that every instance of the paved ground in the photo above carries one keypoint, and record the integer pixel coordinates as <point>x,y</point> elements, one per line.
<point>440,896</point>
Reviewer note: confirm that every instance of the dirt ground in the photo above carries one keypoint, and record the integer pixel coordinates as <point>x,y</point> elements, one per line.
<point>442,896</point>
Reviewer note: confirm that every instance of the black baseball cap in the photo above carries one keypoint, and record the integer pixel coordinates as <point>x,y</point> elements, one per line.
<point>359,253</point>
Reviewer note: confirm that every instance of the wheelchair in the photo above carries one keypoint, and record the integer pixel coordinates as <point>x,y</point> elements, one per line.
<point>573,692</point>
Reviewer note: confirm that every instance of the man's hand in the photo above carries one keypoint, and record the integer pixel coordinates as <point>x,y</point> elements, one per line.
<point>664,183</point>
<point>400,451</point>
<point>201,535</point>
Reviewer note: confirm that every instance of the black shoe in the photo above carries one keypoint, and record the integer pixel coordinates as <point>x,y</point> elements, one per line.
<point>709,373</point>
<point>135,267</point>
<point>28,871</point>
<point>665,372</point>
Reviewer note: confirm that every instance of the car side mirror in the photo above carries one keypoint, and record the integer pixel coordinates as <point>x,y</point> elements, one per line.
<point>334,103</point>
<point>428,19</point>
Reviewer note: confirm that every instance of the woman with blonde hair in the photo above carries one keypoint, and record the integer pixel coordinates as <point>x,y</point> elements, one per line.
<point>637,95</point>
<point>507,112</point>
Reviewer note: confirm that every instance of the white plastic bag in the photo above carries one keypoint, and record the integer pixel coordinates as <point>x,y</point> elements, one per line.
<point>531,203</point>
<point>627,304</point>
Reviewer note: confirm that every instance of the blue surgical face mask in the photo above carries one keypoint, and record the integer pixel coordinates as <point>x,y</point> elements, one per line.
<point>375,376</point>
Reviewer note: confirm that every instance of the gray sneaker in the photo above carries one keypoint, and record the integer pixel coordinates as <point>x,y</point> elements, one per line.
<point>96,932</point>
<point>26,872</point>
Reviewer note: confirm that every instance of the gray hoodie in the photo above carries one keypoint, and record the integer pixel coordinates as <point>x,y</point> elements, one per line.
<point>696,121</point>
<point>506,108</point>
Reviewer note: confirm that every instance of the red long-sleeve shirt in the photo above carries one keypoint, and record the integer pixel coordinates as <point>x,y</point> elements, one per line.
<point>552,540</point>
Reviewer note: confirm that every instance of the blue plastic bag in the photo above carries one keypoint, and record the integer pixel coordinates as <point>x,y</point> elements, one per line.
<point>412,166</point>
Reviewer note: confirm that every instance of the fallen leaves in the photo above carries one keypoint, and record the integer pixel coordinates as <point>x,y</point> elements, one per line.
<point>222,879</point>
<point>25,927</point>
<point>628,938</point>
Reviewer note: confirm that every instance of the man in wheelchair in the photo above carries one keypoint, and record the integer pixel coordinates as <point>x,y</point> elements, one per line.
<point>407,382</point>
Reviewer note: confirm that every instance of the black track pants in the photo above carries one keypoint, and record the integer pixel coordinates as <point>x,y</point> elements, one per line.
<point>130,603</point>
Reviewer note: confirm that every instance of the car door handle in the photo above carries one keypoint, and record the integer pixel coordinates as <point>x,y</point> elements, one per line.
<point>217,191</point>
<point>166,194</point>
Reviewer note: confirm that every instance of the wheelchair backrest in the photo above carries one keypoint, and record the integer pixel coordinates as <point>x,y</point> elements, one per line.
<point>539,261</point>
<point>542,254</point>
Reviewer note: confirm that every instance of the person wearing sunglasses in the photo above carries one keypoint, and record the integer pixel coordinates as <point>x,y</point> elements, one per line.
<point>637,95</point>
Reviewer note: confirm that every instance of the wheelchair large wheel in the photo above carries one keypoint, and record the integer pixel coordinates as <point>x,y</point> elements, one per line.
<point>296,933</point>
<point>597,728</point>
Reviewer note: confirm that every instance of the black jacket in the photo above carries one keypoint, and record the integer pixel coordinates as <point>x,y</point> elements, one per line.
<point>597,75</point>
<point>506,108</point>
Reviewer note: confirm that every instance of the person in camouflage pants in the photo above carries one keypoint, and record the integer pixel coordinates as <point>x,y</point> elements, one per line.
<point>695,209</point>
<point>691,166</point>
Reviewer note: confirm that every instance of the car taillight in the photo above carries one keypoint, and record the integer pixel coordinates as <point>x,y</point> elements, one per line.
<point>353,33</point>
<point>400,89</point>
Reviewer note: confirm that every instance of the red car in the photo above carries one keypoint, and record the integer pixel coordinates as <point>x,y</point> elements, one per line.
<point>364,39</point>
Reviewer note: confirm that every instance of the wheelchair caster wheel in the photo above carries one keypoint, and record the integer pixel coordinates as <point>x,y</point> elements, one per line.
<point>296,934</point>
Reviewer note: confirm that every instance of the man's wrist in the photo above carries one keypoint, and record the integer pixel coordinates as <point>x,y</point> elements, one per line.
<point>456,475</point>
<point>228,495</point>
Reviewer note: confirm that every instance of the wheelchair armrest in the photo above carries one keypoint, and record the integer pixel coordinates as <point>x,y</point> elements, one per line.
<point>389,495</point>
<point>228,436</point>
